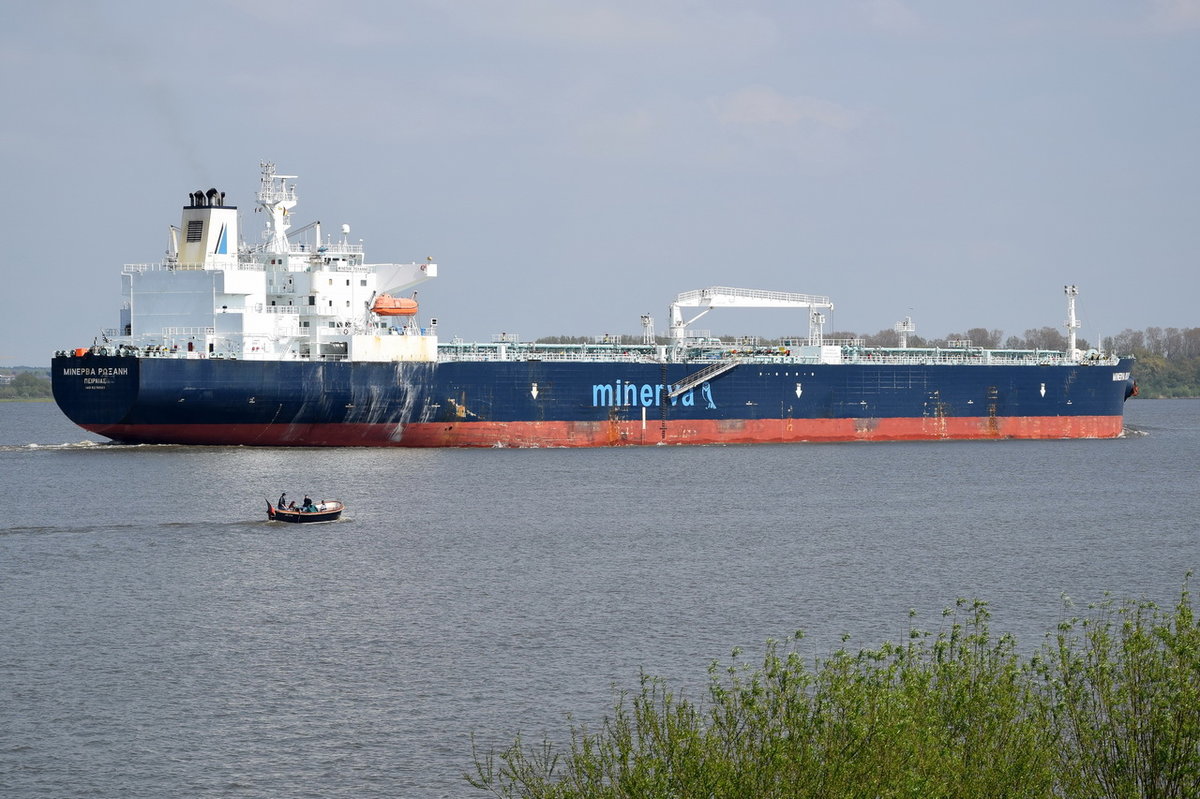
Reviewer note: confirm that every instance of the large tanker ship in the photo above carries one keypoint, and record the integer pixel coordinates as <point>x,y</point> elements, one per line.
<point>297,341</point>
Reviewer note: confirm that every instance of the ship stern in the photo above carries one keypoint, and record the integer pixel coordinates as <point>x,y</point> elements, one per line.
<point>95,391</point>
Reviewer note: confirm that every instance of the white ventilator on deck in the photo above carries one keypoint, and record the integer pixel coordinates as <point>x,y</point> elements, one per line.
<point>1073,324</point>
<point>726,297</point>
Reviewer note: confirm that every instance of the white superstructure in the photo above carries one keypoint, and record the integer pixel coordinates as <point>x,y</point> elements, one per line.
<point>294,296</point>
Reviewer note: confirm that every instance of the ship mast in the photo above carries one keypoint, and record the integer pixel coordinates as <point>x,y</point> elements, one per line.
<point>277,198</point>
<point>1073,324</point>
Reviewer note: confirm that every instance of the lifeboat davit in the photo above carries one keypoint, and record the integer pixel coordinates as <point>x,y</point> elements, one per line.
<point>387,305</point>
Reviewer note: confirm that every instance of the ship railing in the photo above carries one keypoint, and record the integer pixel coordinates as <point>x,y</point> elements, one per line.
<point>494,351</point>
<point>807,341</point>
<point>328,247</point>
<point>459,350</point>
<point>491,355</point>
<point>169,266</point>
<point>308,247</point>
<point>319,310</point>
<point>969,357</point>
<point>335,265</point>
<point>600,355</point>
<point>177,266</point>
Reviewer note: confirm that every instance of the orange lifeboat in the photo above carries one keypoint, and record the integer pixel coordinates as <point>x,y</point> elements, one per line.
<point>387,305</point>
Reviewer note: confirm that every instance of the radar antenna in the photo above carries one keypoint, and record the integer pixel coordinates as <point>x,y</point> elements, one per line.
<point>277,198</point>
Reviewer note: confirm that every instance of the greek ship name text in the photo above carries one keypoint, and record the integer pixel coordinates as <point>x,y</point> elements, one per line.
<point>93,371</point>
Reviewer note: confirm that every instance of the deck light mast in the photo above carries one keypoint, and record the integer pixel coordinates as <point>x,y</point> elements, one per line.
<point>1073,324</point>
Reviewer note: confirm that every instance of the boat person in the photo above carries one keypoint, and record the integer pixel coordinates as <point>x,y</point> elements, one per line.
<point>307,506</point>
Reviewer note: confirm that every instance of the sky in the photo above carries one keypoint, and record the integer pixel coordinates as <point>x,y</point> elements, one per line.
<point>574,165</point>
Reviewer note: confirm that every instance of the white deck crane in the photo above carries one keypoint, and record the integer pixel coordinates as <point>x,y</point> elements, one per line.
<point>726,297</point>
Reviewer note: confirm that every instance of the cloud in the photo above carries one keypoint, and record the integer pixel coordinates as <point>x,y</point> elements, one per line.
<point>753,128</point>
<point>759,127</point>
<point>620,24</point>
<point>633,133</point>
<point>891,16</point>
<point>1175,16</point>
<point>762,107</point>
<point>349,24</point>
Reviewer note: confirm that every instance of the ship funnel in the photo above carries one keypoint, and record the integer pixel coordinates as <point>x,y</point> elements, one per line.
<point>209,229</point>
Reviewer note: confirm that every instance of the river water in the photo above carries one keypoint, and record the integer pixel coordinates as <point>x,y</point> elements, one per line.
<point>160,638</point>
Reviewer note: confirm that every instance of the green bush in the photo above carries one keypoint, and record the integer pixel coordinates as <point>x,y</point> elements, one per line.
<point>1124,685</point>
<point>1110,706</point>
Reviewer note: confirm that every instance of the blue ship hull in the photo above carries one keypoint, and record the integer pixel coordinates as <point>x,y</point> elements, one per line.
<point>578,403</point>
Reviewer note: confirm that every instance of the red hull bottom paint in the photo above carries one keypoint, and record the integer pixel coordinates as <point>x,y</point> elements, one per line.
<point>619,433</point>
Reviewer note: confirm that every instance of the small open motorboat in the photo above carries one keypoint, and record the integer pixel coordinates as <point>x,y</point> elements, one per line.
<point>327,510</point>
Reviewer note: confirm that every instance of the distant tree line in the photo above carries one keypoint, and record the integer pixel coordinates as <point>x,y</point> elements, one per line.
<point>1168,359</point>
<point>1172,343</point>
<point>24,386</point>
<point>1042,338</point>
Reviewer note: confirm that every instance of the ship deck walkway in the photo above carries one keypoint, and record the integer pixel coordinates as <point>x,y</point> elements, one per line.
<point>696,378</point>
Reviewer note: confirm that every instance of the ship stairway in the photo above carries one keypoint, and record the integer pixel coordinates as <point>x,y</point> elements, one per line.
<point>696,378</point>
